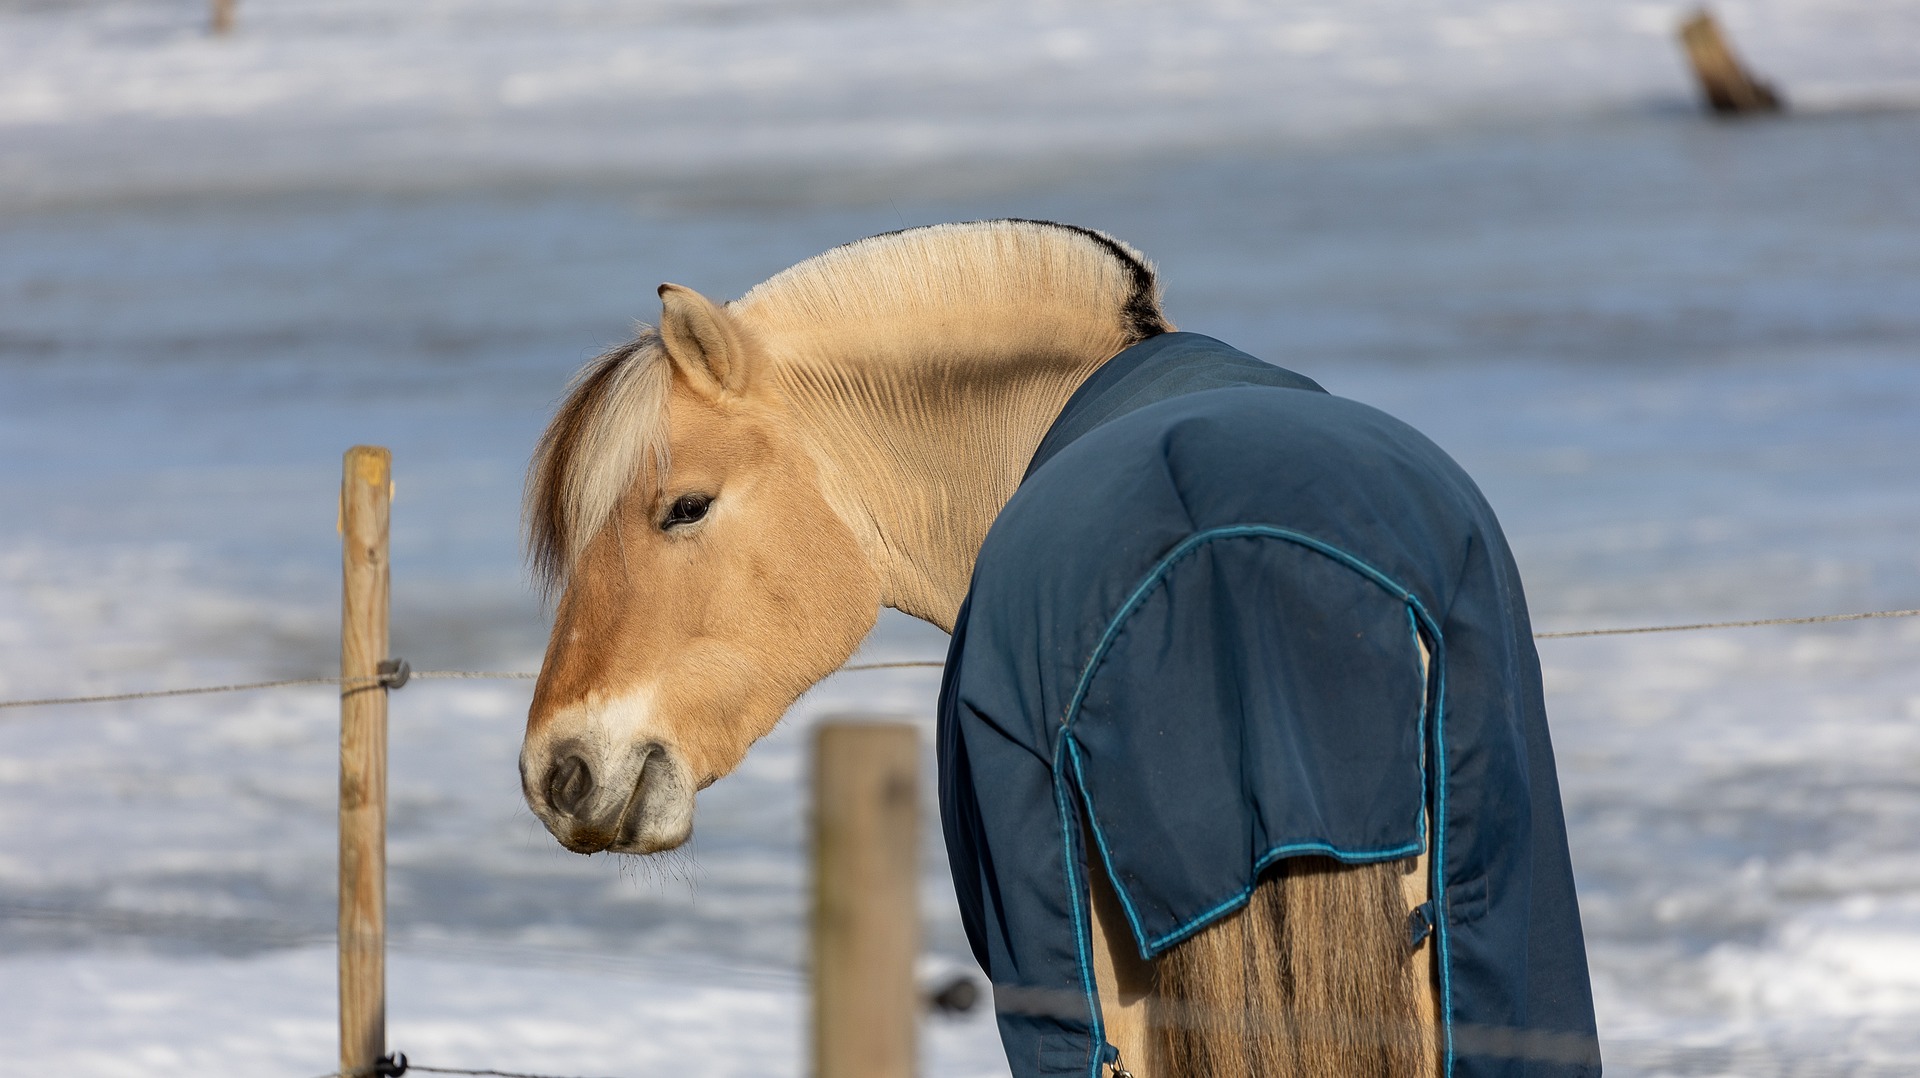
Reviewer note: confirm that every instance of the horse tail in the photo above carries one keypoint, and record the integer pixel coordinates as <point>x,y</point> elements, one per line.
<point>1314,978</point>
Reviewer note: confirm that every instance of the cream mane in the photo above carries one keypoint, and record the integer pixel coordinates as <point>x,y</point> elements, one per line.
<point>985,287</point>
<point>979,295</point>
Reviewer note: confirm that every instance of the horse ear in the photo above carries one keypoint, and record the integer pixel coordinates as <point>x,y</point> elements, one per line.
<point>702,341</point>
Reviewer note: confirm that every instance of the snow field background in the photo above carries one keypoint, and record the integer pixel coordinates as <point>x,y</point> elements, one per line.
<point>1678,356</point>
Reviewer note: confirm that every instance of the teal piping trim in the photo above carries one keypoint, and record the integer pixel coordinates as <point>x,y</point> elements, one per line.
<point>1154,946</point>
<point>1187,546</point>
<point>1442,931</point>
<point>1100,839</point>
<point>1426,778</point>
<point>1082,940</point>
<point>1436,705</point>
<point>1292,849</point>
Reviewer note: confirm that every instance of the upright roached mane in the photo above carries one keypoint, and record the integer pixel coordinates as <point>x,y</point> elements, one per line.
<point>611,430</point>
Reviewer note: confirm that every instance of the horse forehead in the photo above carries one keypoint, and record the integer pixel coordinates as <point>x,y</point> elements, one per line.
<point>702,432</point>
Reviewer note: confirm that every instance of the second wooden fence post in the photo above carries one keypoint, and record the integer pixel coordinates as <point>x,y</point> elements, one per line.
<point>365,494</point>
<point>866,899</point>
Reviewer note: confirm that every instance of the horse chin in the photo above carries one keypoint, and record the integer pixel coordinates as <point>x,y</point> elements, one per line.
<point>659,815</point>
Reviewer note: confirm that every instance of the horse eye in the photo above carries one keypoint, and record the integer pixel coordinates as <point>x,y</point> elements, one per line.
<point>687,509</point>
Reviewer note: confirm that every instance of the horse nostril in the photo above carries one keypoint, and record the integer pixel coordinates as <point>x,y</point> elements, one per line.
<point>568,784</point>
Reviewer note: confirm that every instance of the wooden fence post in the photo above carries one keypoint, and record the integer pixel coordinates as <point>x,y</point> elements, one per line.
<point>365,497</point>
<point>866,899</point>
<point>222,22</point>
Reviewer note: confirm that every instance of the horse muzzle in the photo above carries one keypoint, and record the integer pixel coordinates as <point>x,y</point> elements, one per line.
<point>635,800</point>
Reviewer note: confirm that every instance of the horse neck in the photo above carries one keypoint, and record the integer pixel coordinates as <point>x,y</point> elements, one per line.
<point>920,452</point>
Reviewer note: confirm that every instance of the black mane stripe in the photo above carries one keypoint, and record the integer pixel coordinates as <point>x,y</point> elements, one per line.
<point>1142,307</point>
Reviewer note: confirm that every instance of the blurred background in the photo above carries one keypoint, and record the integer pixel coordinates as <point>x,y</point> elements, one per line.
<point>1681,355</point>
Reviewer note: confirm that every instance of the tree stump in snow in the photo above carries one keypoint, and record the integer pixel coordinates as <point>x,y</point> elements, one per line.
<point>1729,89</point>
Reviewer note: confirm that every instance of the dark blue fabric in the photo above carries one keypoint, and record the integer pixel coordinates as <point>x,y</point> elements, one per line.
<point>1196,628</point>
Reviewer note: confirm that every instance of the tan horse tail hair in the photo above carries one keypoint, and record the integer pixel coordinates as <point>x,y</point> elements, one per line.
<point>1313,978</point>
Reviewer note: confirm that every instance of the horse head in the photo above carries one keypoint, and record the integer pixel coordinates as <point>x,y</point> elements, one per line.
<point>704,580</point>
<point>724,503</point>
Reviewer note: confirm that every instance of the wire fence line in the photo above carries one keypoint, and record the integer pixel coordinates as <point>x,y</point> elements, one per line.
<point>405,1066</point>
<point>1817,619</point>
<point>354,684</point>
<point>1656,1057</point>
<point>1638,1054</point>
<point>397,1064</point>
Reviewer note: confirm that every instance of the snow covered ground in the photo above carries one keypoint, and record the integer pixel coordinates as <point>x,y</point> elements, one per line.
<point>103,97</point>
<point>1679,356</point>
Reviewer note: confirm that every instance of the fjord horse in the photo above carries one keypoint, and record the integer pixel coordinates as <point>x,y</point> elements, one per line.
<point>724,504</point>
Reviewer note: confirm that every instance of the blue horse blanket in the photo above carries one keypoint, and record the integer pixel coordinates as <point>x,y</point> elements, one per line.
<point>1195,629</point>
